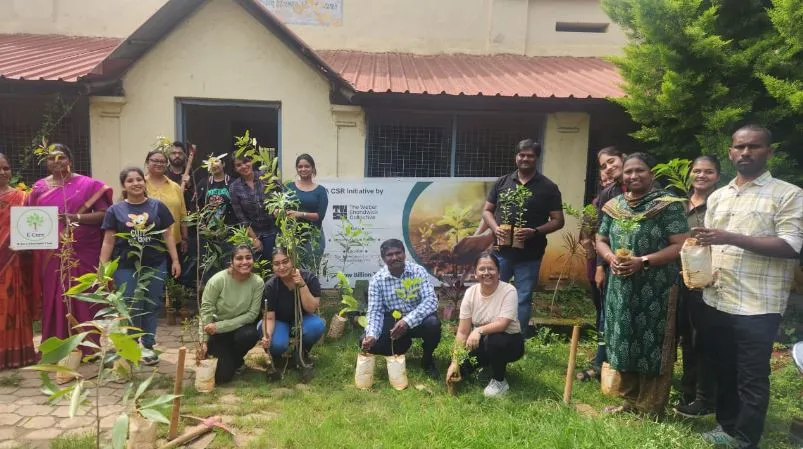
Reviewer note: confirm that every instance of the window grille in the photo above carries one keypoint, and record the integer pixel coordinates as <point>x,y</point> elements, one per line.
<point>424,145</point>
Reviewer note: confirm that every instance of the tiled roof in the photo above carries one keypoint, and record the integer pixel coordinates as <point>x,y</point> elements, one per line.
<point>51,57</point>
<point>487,75</point>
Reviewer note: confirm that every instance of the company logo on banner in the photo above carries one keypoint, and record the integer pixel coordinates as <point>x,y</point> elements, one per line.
<point>430,217</point>
<point>34,227</point>
<point>307,12</point>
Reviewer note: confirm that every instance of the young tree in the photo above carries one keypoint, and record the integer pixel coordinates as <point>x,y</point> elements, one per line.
<point>696,69</point>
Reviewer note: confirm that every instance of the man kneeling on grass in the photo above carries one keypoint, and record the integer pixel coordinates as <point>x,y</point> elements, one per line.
<point>416,301</point>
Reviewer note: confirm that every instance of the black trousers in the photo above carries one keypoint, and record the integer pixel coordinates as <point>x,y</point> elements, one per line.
<point>741,346</point>
<point>429,331</point>
<point>698,382</point>
<point>496,351</point>
<point>230,348</point>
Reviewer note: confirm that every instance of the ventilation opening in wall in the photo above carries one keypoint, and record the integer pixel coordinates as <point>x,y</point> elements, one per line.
<point>581,27</point>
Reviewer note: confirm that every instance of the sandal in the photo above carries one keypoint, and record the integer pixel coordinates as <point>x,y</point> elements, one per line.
<point>587,375</point>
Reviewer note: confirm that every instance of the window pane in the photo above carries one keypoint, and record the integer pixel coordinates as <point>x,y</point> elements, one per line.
<point>486,144</point>
<point>409,145</point>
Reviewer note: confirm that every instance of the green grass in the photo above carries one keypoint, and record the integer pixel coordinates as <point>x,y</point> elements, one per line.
<point>332,413</point>
<point>11,380</point>
<point>79,441</point>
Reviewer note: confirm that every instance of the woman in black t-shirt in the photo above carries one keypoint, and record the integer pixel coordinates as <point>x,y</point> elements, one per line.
<point>148,223</point>
<point>280,311</point>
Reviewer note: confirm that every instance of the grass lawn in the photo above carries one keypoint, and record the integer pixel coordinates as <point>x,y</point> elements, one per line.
<point>332,413</point>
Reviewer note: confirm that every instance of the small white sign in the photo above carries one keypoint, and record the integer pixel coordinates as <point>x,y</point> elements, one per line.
<point>34,227</point>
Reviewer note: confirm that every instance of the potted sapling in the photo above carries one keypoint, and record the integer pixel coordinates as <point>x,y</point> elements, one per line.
<point>626,230</point>
<point>205,365</point>
<point>506,202</point>
<point>520,196</point>
<point>338,323</point>
<point>396,364</point>
<point>460,354</point>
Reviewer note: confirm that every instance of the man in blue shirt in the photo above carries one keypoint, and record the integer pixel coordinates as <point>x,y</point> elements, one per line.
<point>418,317</point>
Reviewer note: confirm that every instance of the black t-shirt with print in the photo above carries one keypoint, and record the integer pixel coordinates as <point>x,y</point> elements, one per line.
<point>135,219</point>
<point>545,198</point>
<point>278,298</point>
<point>216,193</point>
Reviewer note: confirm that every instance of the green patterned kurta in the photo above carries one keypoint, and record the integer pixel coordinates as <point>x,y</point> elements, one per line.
<point>636,306</point>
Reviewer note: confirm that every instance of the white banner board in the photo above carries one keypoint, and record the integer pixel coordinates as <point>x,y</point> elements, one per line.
<point>428,216</point>
<point>34,227</point>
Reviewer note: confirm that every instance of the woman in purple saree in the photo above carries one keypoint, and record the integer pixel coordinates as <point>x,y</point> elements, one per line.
<point>82,202</point>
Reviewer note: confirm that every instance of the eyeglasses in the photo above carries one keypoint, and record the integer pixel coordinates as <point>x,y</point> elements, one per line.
<point>157,162</point>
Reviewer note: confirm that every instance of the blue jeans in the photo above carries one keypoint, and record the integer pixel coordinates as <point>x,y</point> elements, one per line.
<point>312,327</point>
<point>525,274</point>
<point>144,312</point>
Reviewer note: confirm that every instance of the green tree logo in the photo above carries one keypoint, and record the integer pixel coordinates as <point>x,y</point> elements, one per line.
<point>35,220</point>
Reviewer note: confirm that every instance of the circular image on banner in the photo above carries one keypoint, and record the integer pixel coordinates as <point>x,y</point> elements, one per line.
<point>442,221</point>
<point>34,225</point>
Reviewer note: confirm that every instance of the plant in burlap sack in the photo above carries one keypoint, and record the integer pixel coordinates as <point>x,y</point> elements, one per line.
<point>520,196</point>
<point>507,201</point>
<point>117,347</point>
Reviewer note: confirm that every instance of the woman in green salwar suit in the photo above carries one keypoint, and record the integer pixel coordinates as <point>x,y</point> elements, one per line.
<point>640,300</point>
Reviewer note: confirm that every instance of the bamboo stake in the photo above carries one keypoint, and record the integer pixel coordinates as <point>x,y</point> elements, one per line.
<point>177,388</point>
<point>567,389</point>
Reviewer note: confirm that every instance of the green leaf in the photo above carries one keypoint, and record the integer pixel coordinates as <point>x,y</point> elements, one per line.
<point>55,349</point>
<point>143,386</point>
<point>75,400</point>
<point>396,315</point>
<point>153,415</point>
<point>163,399</point>
<point>120,432</point>
<point>52,369</point>
<point>127,347</point>
<point>362,320</point>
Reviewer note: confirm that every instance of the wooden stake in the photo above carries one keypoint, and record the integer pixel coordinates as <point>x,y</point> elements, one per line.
<point>177,388</point>
<point>567,389</point>
<point>192,433</point>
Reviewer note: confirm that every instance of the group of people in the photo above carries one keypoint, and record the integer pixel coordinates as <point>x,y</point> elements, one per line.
<point>754,226</point>
<point>151,212</point>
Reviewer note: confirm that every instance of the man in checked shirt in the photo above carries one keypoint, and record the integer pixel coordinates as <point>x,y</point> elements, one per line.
<point>755,227</point>
<point>418,320</point>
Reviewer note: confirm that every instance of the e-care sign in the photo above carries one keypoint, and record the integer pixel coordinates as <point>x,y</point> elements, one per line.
<point>34,227</point>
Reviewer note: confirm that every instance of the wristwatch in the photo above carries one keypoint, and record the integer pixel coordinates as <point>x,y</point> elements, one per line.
<point>645,263</point>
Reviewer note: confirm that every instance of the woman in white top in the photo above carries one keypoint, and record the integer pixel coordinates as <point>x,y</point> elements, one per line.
<point>489,327</point>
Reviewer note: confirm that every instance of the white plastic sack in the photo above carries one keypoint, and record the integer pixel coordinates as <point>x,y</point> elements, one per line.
<point>205,375</point>
<point>336,327</point>
<point>696,264</point>
<point>364,374</point>
<point>397,371</point>
<point>610,380</point>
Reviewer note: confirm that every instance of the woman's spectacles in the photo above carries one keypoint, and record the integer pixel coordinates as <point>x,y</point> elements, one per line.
<point>156,162</point>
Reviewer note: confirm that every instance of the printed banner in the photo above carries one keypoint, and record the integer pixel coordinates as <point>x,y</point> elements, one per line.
<point>307,12</point>
<point>430,217</point>
<point>34,227</point>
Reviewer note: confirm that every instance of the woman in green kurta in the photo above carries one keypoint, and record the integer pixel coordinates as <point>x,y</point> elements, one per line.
<point>640,299</point>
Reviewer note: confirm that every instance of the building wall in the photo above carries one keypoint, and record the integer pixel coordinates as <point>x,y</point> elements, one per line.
<point>415,26</point>
<point>249,63</point>
<point>564,162</point>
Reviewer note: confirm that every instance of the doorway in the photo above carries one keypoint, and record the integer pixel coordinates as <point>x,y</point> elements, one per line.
<point>213,124</point>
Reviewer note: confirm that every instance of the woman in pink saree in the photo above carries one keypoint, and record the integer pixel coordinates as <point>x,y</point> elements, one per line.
<point>82,202</point>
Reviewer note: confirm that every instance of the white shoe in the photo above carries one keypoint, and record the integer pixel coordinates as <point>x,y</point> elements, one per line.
<point>496,388</point>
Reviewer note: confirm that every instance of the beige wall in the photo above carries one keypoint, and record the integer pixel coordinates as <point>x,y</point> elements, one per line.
<point>249,64</point>
<point>565,162</point>
<point>109,18</point>
<point>416,26</point>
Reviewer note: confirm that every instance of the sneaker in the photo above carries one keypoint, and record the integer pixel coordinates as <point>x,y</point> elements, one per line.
<point>718,437</point>
<point>432,371</point>
<point>694,409</point>
<point>496,388</point>
<point>150,360</point>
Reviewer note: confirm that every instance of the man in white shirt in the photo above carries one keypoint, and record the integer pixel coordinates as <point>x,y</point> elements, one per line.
<point>755,227</point>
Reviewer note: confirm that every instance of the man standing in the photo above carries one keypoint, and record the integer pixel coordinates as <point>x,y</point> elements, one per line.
<point>543,215</point>
<point>177,162</point>
<point>418,320</point>
<point>755,225</point>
